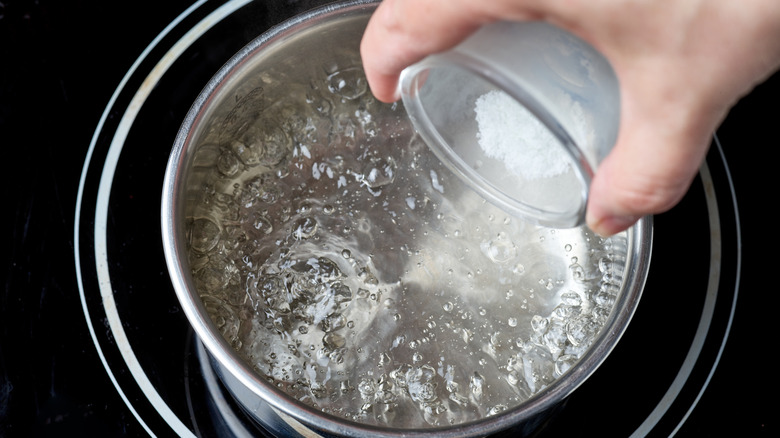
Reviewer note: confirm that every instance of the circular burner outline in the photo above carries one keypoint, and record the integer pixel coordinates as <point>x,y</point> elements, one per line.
<point>709,308</point>
<point>104,190</point>
<point>101,256</point>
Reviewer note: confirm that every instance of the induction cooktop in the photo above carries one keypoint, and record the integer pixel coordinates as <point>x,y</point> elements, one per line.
<point>93,341</point>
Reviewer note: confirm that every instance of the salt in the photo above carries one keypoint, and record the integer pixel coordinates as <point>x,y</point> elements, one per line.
<point>509,133</point>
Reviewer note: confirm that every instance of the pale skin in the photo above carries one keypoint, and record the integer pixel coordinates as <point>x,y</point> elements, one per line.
<point>681,64</point>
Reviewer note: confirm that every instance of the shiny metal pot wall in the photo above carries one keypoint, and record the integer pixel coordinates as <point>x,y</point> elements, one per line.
<point>304,46</point>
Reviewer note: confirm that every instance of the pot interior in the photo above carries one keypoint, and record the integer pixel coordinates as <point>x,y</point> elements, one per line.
<point>334,267</point>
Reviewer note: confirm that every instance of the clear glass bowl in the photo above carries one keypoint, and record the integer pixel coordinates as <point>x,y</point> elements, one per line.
<point>523,112</point>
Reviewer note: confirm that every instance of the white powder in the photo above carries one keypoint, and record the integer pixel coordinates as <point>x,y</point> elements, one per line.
<point>508,132</point>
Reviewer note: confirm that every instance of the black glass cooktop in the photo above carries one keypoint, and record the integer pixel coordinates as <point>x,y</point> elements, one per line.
<point>93,341</point>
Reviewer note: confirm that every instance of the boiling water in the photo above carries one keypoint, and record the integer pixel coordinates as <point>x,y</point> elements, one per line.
<point>353,271</point>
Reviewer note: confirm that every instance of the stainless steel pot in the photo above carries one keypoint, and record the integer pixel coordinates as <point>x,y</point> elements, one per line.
<point>235,98</point>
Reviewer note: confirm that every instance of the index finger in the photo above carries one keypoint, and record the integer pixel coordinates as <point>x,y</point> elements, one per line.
<point>402,32</point>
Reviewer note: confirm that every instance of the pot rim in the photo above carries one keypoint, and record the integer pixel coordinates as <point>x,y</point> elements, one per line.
<point>175,249</point>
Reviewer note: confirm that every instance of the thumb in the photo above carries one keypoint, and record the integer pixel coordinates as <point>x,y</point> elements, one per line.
<point>648,172</point>
<point>402,32</point>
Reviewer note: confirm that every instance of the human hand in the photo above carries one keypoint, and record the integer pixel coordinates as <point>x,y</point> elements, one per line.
<point>681,67</point>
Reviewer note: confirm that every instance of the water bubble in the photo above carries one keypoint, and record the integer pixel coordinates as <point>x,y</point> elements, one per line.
<point>367,389</point>
<point>264,142</point>
<point>228,164</point>
<point>605,265</point>
<point>512,322</point>
<point>547,283</point>
<point>367,277</point>
<point>538,368</point>
<point>458,399</point>
<point>269,286</point>
<point>497,409</point>
<point>246,153</point>
<point>496,341</point>
<point>304,228</point>
<point>604,298</point>
<point>436,184</point>
<point>500,249</point>
<point>379,173</point>
<point>204,235</point>
<point>346,387</point>
<point>420,384</point>
<point>263,224</point>
<point>333,322</point>
<point>582,331</point>
<point>320,104</point>
<point>556,337</point>
<point>477,385</point>
<point>333,341</point>
<point>600,314</point>
<point>571,298</point>
<point>212,277</point>
<point>349,83</point>
<point>564,363</point>
<point>566,312</point>
<point>267,193</point>
<point>577,272</point>
<point>539,323</point>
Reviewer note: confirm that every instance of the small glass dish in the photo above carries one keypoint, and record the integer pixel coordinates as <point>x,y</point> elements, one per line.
<point>523,112</point>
